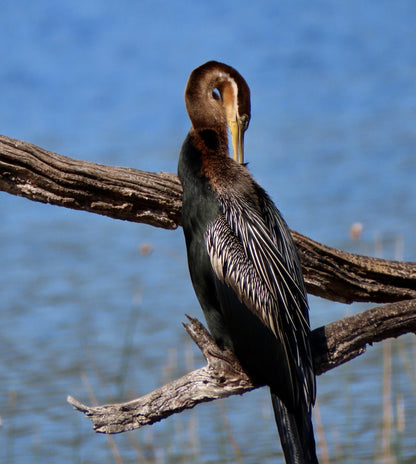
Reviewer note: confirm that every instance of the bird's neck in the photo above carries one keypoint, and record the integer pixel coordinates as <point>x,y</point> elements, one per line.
<point>210,141</point>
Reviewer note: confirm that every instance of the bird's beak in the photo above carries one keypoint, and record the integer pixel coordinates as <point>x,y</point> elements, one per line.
<point>237,138</point>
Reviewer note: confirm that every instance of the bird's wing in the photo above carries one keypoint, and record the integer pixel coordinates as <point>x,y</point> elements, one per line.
<point>256,264</point>
<point>282,237</point>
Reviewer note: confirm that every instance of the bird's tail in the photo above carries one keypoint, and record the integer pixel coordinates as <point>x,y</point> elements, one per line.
<point>296,434</point>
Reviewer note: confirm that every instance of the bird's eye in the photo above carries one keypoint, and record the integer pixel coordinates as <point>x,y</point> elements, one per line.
<point>216,95</point>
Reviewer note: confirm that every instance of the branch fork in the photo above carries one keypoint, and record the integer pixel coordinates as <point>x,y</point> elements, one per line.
<point>223,376</point>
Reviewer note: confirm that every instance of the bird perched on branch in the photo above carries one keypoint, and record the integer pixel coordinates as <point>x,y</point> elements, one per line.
<point>242,260</point>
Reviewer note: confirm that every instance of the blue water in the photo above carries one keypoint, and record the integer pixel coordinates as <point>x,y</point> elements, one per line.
<point>85,312</point>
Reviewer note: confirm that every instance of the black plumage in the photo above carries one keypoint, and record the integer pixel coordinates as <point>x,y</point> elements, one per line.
<point>242,260</point>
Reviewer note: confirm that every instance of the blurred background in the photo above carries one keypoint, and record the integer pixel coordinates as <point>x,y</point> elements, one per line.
<point>92,307</point>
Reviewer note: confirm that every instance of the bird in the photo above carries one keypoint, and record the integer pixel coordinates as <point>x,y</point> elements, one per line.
<point>242,260</point>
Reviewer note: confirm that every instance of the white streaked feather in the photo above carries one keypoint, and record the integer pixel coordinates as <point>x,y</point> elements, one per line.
<point>259,266</point>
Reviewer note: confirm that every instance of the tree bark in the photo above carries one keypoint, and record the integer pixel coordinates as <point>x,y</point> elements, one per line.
<point>156,198</point>
<point>346,277</point>
<point>332,345</point>
<point>121,193</point>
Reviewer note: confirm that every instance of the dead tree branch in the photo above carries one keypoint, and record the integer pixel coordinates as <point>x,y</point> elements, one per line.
<point>155,198</point>
<point>332,345</point>
<point>121,193</point>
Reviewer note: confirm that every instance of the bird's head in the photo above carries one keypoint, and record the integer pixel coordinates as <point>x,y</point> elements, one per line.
<point>217,96</point>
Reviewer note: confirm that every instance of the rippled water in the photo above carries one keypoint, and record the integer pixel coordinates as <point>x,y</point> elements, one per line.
<point>85,312</point>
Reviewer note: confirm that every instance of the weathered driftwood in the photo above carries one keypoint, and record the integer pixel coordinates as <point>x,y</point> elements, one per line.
<point>155,199</point>
<point>332,345</point>
<point>121,193</point>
